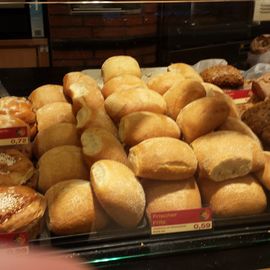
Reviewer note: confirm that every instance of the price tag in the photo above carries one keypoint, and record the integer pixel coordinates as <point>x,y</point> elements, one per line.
<point>13,136</point>
<point>14,243</point>
<point>239,96</point>
<point>181,221</point>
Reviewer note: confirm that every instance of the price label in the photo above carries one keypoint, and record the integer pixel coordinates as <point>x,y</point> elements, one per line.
<point>14,243</point>
<point>181,221</point>
<point>239,96</point>
<point>13,136</point>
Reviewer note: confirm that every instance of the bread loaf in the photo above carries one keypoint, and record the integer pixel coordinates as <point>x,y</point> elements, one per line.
<point>139,126</point>
<point>263,175</point>
<point>163,158</point>
<point>119,192</point>
<point>125,102</point>
<point>201,117</point>
<point>181,94</point>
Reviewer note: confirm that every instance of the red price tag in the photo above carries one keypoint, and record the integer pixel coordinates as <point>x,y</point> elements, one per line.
<point>14,243</point>
<point>13,136</point>
<point>181,221</point>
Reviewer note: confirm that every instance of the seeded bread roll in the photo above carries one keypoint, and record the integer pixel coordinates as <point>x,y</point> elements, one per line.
<point>125,102</point>
<point>98,143</point>
<point>241,196</point>
<point>59,164</point>
<point>139,126</point>
<point>87,117</point>
<point>181,94</point>
<point>263,175</point>
<point>120,65</point>
<point>161,83</point>
<point>56,135</point>
<point>201,117</point>
<point>163,158</point>
<point>119,192</point>
<point>162,196</point>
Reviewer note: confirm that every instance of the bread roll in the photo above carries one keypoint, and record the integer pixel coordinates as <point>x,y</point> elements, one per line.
<point>54,113</point>
<point>162,196</point>
<point>122,82</point>
<point>224,155</point>
<point>186,70</point>
<point>264,175</point>
<point>139,126</point>
<point>163,158</point>
<point>98,143</point>
<point>241,196</point>
<point>56,135</point>
<point>87,117</point>
<point>120,65</point>
<point>21,210</point>
<point>72,208</point>
<point>161,83</point>
<point>181,94</point>
<point>201,117</point>
<point>15,168</point>
<point>119,192</point>
<point>59,164</point>
<point>46,94</point>
<point>125,102</point>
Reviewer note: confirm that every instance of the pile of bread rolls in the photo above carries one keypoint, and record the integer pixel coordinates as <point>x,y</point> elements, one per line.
<point>104,157</point>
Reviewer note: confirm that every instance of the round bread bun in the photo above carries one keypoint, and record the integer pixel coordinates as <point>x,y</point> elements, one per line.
<point>59,164</point>
<point>15,168</point>
<point>119,192</point>
<point>122,82</point>
<point>46,94</point>
<point>56,135</point>
<point>21,210</point>
<point>120,65</point>
<point>241,196</point>
<point>73,209</point>
<point>54,113</point>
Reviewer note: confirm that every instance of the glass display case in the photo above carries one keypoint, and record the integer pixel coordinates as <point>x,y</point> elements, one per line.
<point>45,42</point>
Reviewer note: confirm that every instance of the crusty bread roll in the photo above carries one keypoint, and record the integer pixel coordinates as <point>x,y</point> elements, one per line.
<point>186,70</point>
<point>161,83</point>
<point>119,192</point>
<point>163,158</point>
<point>56,135</point>
<point>241,196</point>
<point>162,196</point>
<point>87,117</point>
<point>122,82</point>
<point>124,102</point>
<point>120,65</point>
<point>46,94</point>
<point>72,208</point>
<point>139,126</point>
<point>59,164</point>
<point>264,175</point>
<point>181,94</point>
<point>21,210</point>
<point>15,168</point>
<point>54,113</point>
<point>224,155</point>
<point>201,117</point>
<point>98,143</point>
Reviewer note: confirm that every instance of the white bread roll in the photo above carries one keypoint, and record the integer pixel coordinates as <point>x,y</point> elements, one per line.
<point>59,164</point>
<point>54,113</point>
<point>87,117</point>
<point>72,208</point>
<point>56,135</point>
<point>163,158</point>
<point>122,82</point>
<point>241,196</point>
<point>124,102</point>
<point>162,196</point>
<point>46,94</point>
<point>119,192</point>
<point>161,83</point>
<point>186,70</point>
<point>181,94</point>
<point>98,143</point>
<point>224,155</point>
<point>201,117</point>
<point>139,126</point>
<point>264,175</point>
